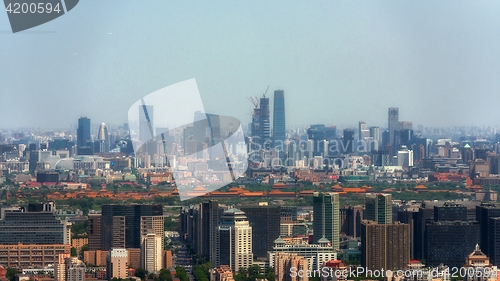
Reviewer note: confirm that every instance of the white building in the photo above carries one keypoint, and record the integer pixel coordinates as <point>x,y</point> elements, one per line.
<point>316,254</point>
<point>151,252</point>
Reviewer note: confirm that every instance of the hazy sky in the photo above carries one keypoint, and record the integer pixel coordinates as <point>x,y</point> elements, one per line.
<point>338,62</point>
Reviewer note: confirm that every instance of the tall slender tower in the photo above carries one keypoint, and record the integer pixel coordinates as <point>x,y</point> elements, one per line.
<point>393,124</point>
<point>145,123</point>
<point>279,132</point>
<point>265,123</point>
<point>83,133</point>
<point>326,212</point>
<point>103,138</point>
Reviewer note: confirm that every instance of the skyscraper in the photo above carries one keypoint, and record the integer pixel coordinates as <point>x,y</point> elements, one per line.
<point>279,133</point>
<point>234,244</point>
<point>265,222</point>
<point>393,124</point>
<point>151,252</point>
<point>379,208</point>
<point>326,212</point>
<point>385,246</point>
<point>146,128</point>
<point>375,138</point>
<point>83,135</point>
<point>265,123</point>
<point>102,142</point>
<point>121,224</point>
<point>348,141</point>
<point>364,133</point>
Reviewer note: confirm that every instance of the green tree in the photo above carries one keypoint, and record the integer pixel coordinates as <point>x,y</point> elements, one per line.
<point>141,273</point>
<point>11,273</point>
<point>74,252</point>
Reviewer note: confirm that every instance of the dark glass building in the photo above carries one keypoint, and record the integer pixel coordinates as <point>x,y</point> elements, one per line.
<point>83,135</point>
<point>348,141</point>
<point>450,242</point>
<point>40,226</point>
<point>326,212</point>
<point>265,223</point>
<point>121,224</point>
<point>279,132</point>
<point>483,213</point>
<point>494,240</point>
<point>265,124</point>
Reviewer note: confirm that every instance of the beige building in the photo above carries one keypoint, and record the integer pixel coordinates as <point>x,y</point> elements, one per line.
<point>288,265</point>
<point>117,263</point>
<point>222,273</point>
<point>97,257</point>
<point>78,243</point>
<point>151,252</point>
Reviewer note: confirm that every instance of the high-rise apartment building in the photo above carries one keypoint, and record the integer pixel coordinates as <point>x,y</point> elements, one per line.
<point>121,224</point>
<point>279,132</point>
<point>379,208</point>
<point>234,244</point>
<point>117,263</point>
<point>385,246</point>
<point>326,213</point>
<point>151,252</point>
<point>83,136</point>
<point>265,124</point>
<point>94,231</point>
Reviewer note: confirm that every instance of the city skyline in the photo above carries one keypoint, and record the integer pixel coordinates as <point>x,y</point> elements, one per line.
<point>332,59</point>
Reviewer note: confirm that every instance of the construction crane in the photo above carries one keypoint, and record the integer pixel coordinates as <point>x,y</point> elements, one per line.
<point>266,91</point>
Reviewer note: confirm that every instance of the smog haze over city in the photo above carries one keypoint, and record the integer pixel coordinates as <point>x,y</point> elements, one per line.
<point>337,61</point>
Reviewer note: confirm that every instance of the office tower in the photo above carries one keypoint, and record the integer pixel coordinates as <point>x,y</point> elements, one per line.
<point>405,158</point>
<point>265,223</point>
<point>393,123</point>
<point>449,242</point>
<point>450,212</point>
<point>483,213</point>
<point>101,145</point>
<point>83,136</point>
<point>146,125</point>
<point>153,224</point>
<point>117,263</point>
<point>405,136</point>
<point>94,231</point>
<point>363,132</point>
<point>255,127</point>
<point>419,147</point>
<point>121,224</point>
<point>385,246</point>
<point>348,141</point>
<point>330,133</point>
<point>285,263</point>
<point>38,226</point>
<point>379,208</point>
<point>234,244</point>
<point>205,220</point>
<point>279,132</point>
<point>375,138</point>
<point>265,123</point>
<point>316,136</point>
<point>326,212</point>
<point>350,220</point>
<point>494,240</point>
<point>151,252</point>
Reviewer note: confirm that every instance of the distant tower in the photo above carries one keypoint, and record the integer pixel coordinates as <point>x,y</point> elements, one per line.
<point>279,132</point>
<point>145,123</point>
<point>375,138</point>
<point>83,134</point>
<point>393,124</point>
<point>326,212</point>
<point>379,208</point>
<point>348,141</point>
<point>103,138</point>
<point>265,123</point>
<point>234,244</point>
<point>364,133</point>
